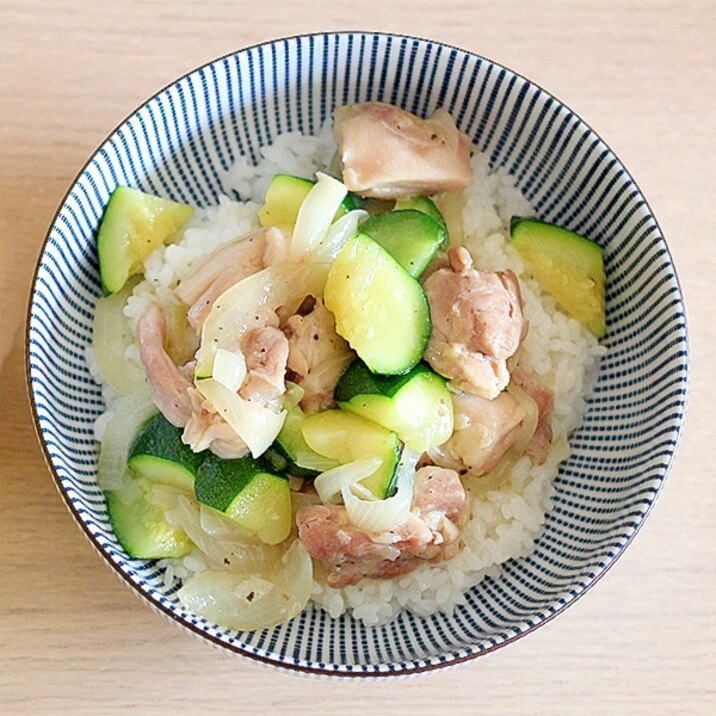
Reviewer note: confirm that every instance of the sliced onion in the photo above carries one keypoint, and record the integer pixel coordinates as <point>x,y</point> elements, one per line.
<point>125,376</point>
<point>224,545</point>
<point>316,215</point>
<point>330,483</point>
<point>249,304</point>
<point>216,523</point>
<point>129,415</point>
<point>381,515</point>
<point>253,602</point>
<point>229,369</point>
<point>529,422</point>
<point>338,235</point>
<point>255,425</point>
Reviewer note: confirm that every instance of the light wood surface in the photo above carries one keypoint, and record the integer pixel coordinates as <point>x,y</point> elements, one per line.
<point>72,640</point>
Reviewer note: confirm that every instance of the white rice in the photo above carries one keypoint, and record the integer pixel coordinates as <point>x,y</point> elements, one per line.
<point>504,519</point>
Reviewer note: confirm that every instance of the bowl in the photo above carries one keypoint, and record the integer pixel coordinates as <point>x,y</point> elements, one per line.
<point>176,144</point>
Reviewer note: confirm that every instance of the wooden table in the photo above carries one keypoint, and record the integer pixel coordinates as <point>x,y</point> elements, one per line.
<point>72,640</point>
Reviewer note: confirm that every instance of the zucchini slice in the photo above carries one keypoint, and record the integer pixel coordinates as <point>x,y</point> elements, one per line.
<point>247,492</point>
<point>290,443</point>
<point>427,206</point>
<point>411,237</point>
<point>417,406</point>
<point>284,197</point>
<point>134,224</point>
<point>570,267</point>
<point>141,528</point>
<point>380,309</point>
<point>159,455</point>
<point>345,438</point>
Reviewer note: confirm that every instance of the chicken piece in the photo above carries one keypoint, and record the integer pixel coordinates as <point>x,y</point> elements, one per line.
<point>205,429</point>
<point>539,445</point>
<point>242,255</point>
<point>224,267</point>
<point>477,324</point>
<point>484,431</point>
<point>438,492</point>
<point>317,355</point>
<point>266,351</point>
<point>387,152</point>
<point>430,533</point>
<point>349,553</point>
<point>169,386</point>
<point>175,396</point>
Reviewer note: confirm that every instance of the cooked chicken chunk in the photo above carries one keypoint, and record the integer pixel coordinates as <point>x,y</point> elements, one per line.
<point>317,355</point>
<point>477,324</point>
<point>430,533</point>
<point>206,429</point>
<point>541,441</point>
<point>349,553</point>
<point>227,265</point>
<point>266,351</point>
<point>437,492</point>
<point>387,152</point>
<point>484,431</point>
<point>169,386</point>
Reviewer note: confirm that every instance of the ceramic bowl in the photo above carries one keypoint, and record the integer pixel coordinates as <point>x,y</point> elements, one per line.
<point>176,143</point>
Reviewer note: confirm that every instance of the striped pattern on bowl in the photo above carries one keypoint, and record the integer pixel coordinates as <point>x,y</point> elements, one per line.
<point>175,145</point>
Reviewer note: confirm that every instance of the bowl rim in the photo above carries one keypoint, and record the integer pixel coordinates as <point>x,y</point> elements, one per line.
<point>413,667</point>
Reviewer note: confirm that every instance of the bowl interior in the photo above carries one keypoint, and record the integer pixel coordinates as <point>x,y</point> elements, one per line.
<point>176,145</point>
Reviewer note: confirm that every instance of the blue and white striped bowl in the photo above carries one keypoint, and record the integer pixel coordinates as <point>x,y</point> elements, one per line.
<point>175,145</point>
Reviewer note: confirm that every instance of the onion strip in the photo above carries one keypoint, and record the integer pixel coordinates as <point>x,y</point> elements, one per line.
<point>123,375</point>
<point>229,369</point>
<point>341,231</point>
<point>256,425</point>
<point>253,601</point>
<point>130,414</point>
<point>330,483</point>
<point>381,515</point>
<point>315,216</point>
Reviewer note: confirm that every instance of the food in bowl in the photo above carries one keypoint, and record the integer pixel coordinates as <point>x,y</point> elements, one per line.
<point>358,393</point>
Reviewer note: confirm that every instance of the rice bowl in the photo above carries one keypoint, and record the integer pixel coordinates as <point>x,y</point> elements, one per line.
<point>489,245</point>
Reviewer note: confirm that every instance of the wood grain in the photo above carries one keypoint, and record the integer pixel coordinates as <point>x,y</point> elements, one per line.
<point>73,641</point>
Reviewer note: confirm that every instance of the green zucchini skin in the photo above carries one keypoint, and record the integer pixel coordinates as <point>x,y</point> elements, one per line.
<point>141,528</point>
<point>248,492</point>
<point>357,379</point>
<point>219,481</point>
<point>158,454</point>
<point>412,237</point>
<point>417,406</point>
<point>133,225</point>
<point>568,265</point>
<point>427,206</point>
